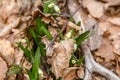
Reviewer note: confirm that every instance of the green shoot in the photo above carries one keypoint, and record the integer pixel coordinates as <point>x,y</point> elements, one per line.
<point>26,51</point>
<point>79,39</point>
<point>36,64</point>
<point>15,69</point>
<point>61,34</point>
<point>49,7</point>
<point>34,35</point>
<point>47,33</point>
<point>80,61</point>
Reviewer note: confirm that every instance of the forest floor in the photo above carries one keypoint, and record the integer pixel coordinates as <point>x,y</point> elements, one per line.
<point>76,39</point>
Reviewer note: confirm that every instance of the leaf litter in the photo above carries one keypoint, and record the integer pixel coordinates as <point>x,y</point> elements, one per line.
<point>17,16</point>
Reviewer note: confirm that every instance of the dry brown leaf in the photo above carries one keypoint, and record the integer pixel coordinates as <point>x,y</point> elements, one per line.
<point>104,26</point>
<point>114,20</point>
<point>116,44</point>
<point>61,57</point>
<point>114,30</point>
<point>18,56</point>
<point>95,8</point>
<point>106,51</point>
<point>112,3</point>
<point>12,77</point>
<point>80,73</point>
<point>7,51</point>
<point>71,75</point>
<point>3,69</point>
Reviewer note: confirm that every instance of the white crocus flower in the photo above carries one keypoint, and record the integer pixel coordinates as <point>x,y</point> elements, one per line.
<point>73,61</point>
<point>57,9</point>
<point>22,40</point>
<point>68,35</point>
<point>75,47</point>
<point>51,5</point>
<point>40,72</point>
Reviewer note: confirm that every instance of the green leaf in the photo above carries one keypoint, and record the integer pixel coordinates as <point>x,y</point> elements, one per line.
<point>80,61</point>
<point>30,74</point>
<point>15,69</point>
<point>46,9</point>
<point>71,19</point>
<point>37,40</point>
<point>39,24</point>
<point>61,35</point>
<point>47,33</point>
<point>36,64</point>
<point>79,23</point>
<point>42,49</point>
<point>79,39</point>
<point>26,51</point>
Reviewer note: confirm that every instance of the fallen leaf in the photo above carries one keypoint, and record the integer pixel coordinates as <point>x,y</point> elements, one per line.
<point>7,51</point>
<point>3,69</point>
<point>80,73</point>
<point>106,51</point>
<point>112,3</point>
<point>114,20</point>
<point>95,8</point>
<point>61,57</point>
<point>116,45</point>
<point>71,75</point>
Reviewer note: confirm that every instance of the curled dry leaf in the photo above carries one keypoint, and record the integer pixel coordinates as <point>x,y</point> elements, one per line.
<point>12,77</point>
<point>61,57</point>
<point>9,27</point>
<point>112,3</point>
<point>80,73</point>
<point>71,75</point>
<point>106,51</point>
<point>114,20</point>
<point>116,44</point>
<point>95,8</point>
<point>7,51</point>
<point>3,69</point>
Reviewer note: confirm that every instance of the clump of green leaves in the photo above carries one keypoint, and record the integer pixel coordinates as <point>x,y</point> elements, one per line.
<point>14,69</point>
<point>49,6</point>
<point>41,30</point>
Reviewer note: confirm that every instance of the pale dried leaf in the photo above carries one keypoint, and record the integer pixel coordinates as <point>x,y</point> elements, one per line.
<point>106,51</point>
<point>3,69</point>
<point>114,20</point>
<point>112,3</point>
<point>114,30</point>
<point>95,8</point>
<point>71,75</point>
<point>80,73</point>
<point>9,27</point>
<point>7,51</point>
<point>116,45</point>
<point>61,57</point>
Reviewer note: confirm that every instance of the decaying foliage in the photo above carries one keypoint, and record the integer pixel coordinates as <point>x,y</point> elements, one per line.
<point>101,17</point>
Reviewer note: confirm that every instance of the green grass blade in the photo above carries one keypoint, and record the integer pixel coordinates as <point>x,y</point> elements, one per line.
<point>40,24</point>
<point>36,64</point>
<point>80,61</point>
<point>61,35</point>
<point>47,33</point>
<point>15,69</point>
<point>26,51</point>
<point>42,49</point>
<point>79,39</point>
<point>37,40</point>
<point>30,74</point>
